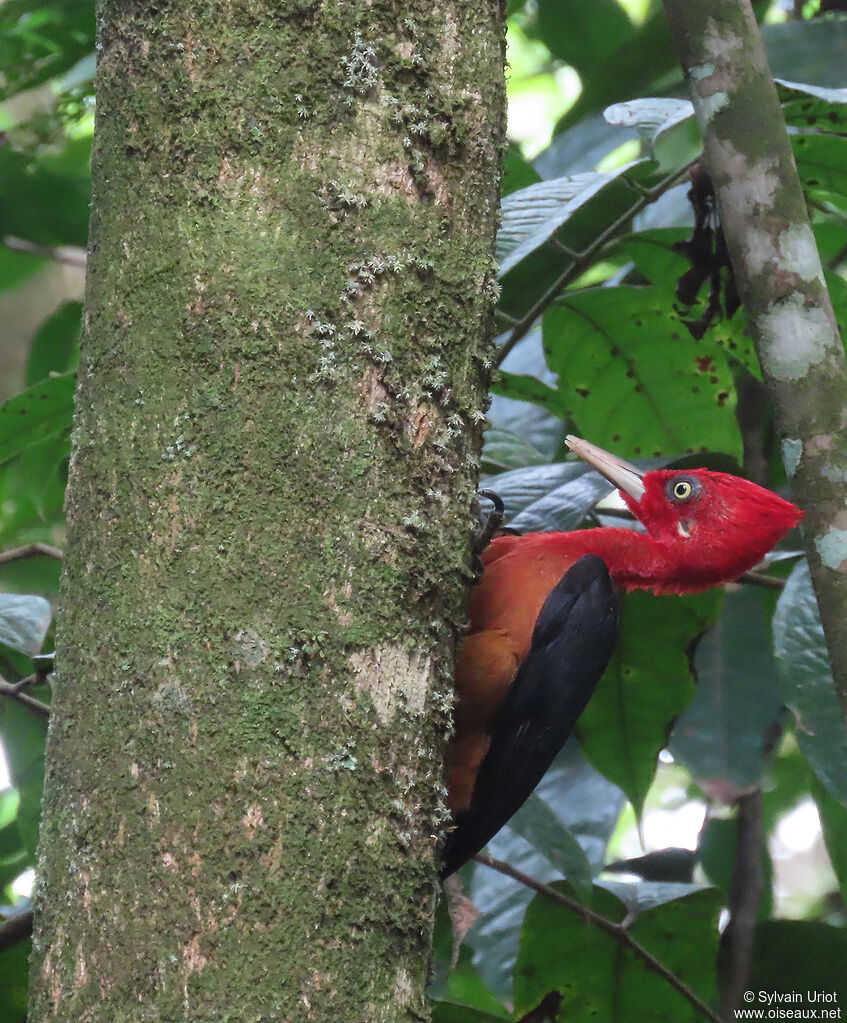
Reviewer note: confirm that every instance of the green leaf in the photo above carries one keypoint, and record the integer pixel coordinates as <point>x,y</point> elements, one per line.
<point>581,801</point>
<point>541,498</point>
<point>531,216</point>
<point>503,450</point>
<point>720,735</point>
<point>821,163</point>
<point>39,412</point>
<point>834,826</point>
<point>14,975</point>
<point>599,977</point>
<point>810,106</point>
<point>517,172</point>
<point>634,380</point>
<point>797,956</point>
<point>39,40</point>
<point>527,388</point>
<point>23,734</point>
<point>806,683</point>
<point>646,686</point>
<point>54,348</point>
<point>24,621</point>
<point>536,823</point>
<point>583,34</point>
<point>16,267</point>
<point>554,221</point>
<point>810,51</point>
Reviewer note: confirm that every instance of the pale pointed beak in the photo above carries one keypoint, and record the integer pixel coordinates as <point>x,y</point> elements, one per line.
<point>623,475</point>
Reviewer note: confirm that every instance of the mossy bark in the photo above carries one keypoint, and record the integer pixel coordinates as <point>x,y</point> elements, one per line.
<point>779,276</point>
<point>274,463</point>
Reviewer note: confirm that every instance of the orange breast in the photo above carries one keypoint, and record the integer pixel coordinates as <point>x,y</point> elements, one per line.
<point>519,573</point>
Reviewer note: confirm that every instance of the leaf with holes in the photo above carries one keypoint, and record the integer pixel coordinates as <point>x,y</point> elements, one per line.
<point>634,380</point>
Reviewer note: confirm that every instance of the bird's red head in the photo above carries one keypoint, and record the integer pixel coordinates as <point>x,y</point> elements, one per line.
<point>706,527</point>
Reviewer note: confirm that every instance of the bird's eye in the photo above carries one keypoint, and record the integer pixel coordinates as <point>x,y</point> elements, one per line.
<point>682,490</point>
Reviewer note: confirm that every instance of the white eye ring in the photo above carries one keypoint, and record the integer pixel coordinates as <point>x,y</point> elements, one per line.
<point>682,490</point>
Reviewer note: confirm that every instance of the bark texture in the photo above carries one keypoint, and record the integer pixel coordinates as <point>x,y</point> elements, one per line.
<point>779,277</point>
<point>275,458</point>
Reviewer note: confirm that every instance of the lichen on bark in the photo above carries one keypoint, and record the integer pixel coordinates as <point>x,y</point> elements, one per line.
<point>275,457</point>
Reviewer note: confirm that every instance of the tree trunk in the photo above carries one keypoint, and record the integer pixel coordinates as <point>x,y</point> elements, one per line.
<point>275,457</point>
<point>763,214</point>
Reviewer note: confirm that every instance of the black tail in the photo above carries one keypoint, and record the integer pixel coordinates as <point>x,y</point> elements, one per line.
<point>571,645</point>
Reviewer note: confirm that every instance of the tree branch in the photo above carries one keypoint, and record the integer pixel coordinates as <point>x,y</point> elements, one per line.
<point>745,897</point>
<point>779,277</point>
<point>30,550</point>
<point>71,255</point>
<point>617,930</point>
<point>15,929</point>
<point>14,690</point>
<point>582,260</point>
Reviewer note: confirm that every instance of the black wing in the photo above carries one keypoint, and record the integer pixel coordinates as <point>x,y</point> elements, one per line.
<point>571,645</point>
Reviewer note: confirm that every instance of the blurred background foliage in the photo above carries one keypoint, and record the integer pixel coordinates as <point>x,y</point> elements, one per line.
<point>616,321</point>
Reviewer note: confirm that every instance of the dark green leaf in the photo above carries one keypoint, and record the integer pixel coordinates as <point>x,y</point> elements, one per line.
<point>503,450</point>
<point>25,182</point>
<point>54,348</point>
<point>583,34</point>
<point>531,216</point>
<point>23,733</point>
<point>834,825</point>
<point>634,380</point>
<point>39,412</point>
<point>24,621</point>
<point>14,973</point>
<point>536,823</point>
<point>798,956</point>
<point>720,736</point>
<point>806,682</point>
<point>598,977</point>
<point>517,172</point>
<point>16,267</point>
<point>541,498</point>
<point>584,803</point>
<point>646,686</point>
<point>550,230</point>
<point>41,40</point>
<point>810,51</point>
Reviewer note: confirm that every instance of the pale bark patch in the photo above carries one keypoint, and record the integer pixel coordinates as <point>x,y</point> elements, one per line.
<point>832,547</point>
<point>797,338</point>
<point>393,677</point>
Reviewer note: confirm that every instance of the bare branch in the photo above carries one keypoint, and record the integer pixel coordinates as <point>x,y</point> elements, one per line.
<point>30,550</point>
<point>70,255</point>
<point>15,928</point>
<point>745,897</point>
<point>14,690</point>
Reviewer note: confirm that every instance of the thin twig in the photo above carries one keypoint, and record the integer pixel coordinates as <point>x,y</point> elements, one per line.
<point>616,930</point>
<point>771,582</point>
<point>15,929</point>
<point>14,691</point>
<point>583,260</point>
<point>30,550</point>
<point>71,255</point>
